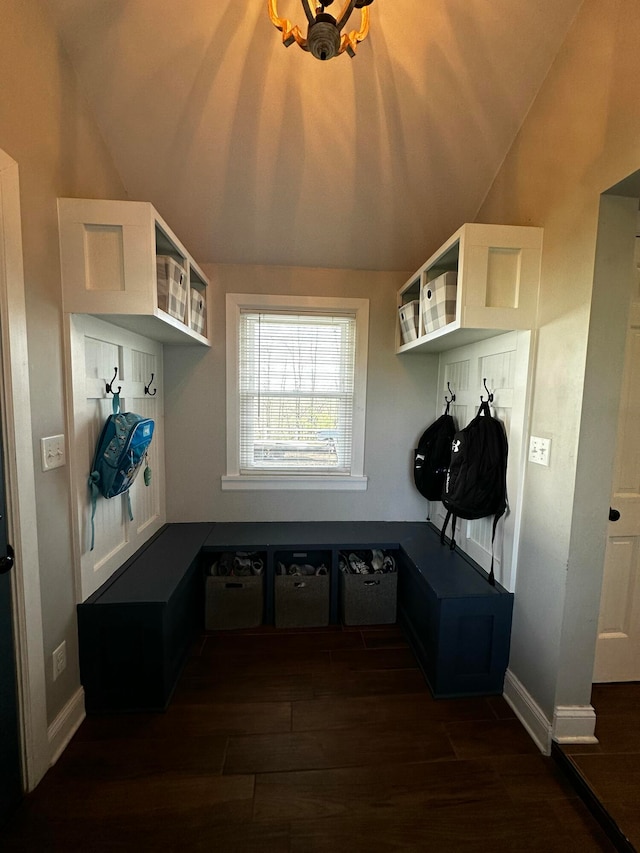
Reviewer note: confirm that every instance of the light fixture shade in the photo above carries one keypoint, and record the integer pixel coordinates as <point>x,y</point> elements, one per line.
<point>324,38</point>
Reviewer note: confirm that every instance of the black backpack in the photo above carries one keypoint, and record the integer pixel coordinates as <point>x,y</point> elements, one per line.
<point>431,457</point>
<point>476,482</point>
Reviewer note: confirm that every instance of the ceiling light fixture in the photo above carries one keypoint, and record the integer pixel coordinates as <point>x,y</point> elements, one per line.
<point>325,38</point>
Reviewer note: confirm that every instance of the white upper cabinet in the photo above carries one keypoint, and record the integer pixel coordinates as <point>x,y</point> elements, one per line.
<point>121,262</point>
<point>496,271</point>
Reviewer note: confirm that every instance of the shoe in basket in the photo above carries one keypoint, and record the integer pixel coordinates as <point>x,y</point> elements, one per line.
<point>358,566</point>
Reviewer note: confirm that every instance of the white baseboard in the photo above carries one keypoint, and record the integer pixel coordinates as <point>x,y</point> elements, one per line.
<point>574,724</point>
<point>65,725</point>
<point>528,712</point>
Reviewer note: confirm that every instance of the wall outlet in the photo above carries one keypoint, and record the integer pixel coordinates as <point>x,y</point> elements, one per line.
<point>59,659</point>
<point>539,450</point>
<point>53,453</point>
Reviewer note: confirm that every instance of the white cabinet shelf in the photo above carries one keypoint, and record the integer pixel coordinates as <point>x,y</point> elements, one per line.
<point>498,274</point>
<point>108,252</point>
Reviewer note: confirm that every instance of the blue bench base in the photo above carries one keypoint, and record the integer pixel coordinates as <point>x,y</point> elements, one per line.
<point>135,631</point>
<point>458,625</point>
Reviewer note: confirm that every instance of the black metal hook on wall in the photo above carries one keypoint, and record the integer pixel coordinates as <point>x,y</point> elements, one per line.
<point>489,394</point>
<point>449,400</point>
<point>109,385</point>
<point>148,387</point>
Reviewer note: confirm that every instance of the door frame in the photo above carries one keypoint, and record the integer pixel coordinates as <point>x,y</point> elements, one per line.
<point>20,486</point>
<point>574,716</point>
<point>612,660</point>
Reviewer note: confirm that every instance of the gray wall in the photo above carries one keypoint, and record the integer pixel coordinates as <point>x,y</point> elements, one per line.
<point>46,128</point>
<point>582,136</point>
<point>400,403</point>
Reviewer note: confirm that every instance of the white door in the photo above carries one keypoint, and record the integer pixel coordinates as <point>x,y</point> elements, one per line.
<point>20,606</point>
<point>618,644</point>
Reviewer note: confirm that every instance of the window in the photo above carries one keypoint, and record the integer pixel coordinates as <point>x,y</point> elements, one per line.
<point>296,384</point>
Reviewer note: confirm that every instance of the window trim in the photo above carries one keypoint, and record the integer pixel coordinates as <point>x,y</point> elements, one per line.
<point>233,480</point>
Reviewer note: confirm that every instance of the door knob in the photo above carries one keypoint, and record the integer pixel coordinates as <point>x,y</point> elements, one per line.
<point>614,514</point>
<point>6,563</point>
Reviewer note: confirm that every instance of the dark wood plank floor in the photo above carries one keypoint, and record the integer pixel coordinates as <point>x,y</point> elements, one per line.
<point>612,766</point>
<point>305,742</point>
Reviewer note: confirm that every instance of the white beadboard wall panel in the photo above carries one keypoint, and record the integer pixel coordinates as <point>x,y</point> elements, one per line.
<point>504,362</point>
<point>95,349</point>
<point>146,500</point>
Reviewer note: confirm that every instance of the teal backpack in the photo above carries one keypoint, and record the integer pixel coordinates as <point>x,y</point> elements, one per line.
<point>120,452</point>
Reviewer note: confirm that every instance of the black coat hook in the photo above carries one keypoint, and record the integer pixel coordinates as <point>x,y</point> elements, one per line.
<point>148,387</point>
<point>449,400</point>
<point>489,394</point>
<point>109,385</point>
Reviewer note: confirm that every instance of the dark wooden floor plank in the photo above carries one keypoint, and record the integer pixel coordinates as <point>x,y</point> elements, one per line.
<point>627,816</point>
<point>281,643</point>
<point>501,708</point>
<point>198,831</point>
<point>384,682</point>
<point>368,660</point>
<point>580,824</point>
<point>393,710</point>
<point>613,776</point>
<point>362,792</point>
<point>383,638</point>
<point>349,753</point>
<point>210,718</point>
<point>619,699</point>
<point>248,664</point>
<point>134,758</point>
<point>229,798</point>
<point>531,778</point>
<point>482,739</point>
<point>618,733</point>
<point>235,687</point>
<point>332,749</point>
<point>448,828</point>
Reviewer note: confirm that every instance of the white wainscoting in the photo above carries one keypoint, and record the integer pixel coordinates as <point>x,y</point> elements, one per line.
<point>528,712</point>
<point>66,724</point>
<point>504,361</point>
<point>95,349</point>
<point>571,723</point>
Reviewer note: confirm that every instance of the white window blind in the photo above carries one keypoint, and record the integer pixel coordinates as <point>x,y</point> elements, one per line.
<point>296,384</point>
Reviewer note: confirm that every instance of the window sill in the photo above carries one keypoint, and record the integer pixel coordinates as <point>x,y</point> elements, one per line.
<point>315,483</point>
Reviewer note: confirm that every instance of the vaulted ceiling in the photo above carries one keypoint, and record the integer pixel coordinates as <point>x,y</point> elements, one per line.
<point>257,153</point>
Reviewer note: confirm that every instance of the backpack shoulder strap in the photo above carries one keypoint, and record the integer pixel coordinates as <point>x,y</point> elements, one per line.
<point>94,476</point>
<point>454,518</point>
<point>496,519</point>
<point>484,410</point>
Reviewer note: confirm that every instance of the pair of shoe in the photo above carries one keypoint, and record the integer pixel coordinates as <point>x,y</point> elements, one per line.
<point>382,563</point>
<point>357,565</point>
<point>222,568</point>
<point>305,570</point>
<point>245,564</point>
<point>377,563</point>
<point>242,564</point>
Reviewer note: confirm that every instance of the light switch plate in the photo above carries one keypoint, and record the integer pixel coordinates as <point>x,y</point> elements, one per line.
<point>59,659</point>
<point>539,450</point>
<point>53,452</point>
